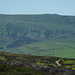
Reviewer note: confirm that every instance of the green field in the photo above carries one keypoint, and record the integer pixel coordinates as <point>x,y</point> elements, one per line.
<point>46,48</point>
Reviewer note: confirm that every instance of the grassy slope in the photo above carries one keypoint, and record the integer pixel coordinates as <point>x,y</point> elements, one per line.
<point>56,32</point>
<point>47,48</point>
<point>39,60</point>
<point>17,70</point>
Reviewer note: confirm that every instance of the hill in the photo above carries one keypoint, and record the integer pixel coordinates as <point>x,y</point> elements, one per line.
<point>19,64</point>
<point>46,34</point>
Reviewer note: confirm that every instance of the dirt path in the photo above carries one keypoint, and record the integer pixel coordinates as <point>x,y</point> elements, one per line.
<point>57,62</point>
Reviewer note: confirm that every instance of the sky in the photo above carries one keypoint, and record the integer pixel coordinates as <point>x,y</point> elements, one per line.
<point>61,7</point>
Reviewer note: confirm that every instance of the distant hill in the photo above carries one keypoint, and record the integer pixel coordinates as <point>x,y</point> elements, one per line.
<point>46,34</point>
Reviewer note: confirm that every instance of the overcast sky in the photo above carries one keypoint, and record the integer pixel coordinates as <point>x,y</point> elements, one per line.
<point>61,7</point>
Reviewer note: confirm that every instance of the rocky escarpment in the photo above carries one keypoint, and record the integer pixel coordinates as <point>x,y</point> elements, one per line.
<point>47,69</point>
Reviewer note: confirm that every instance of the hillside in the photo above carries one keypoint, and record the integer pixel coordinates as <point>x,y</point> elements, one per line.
<point>19,64</point>
<point>44,35</point>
